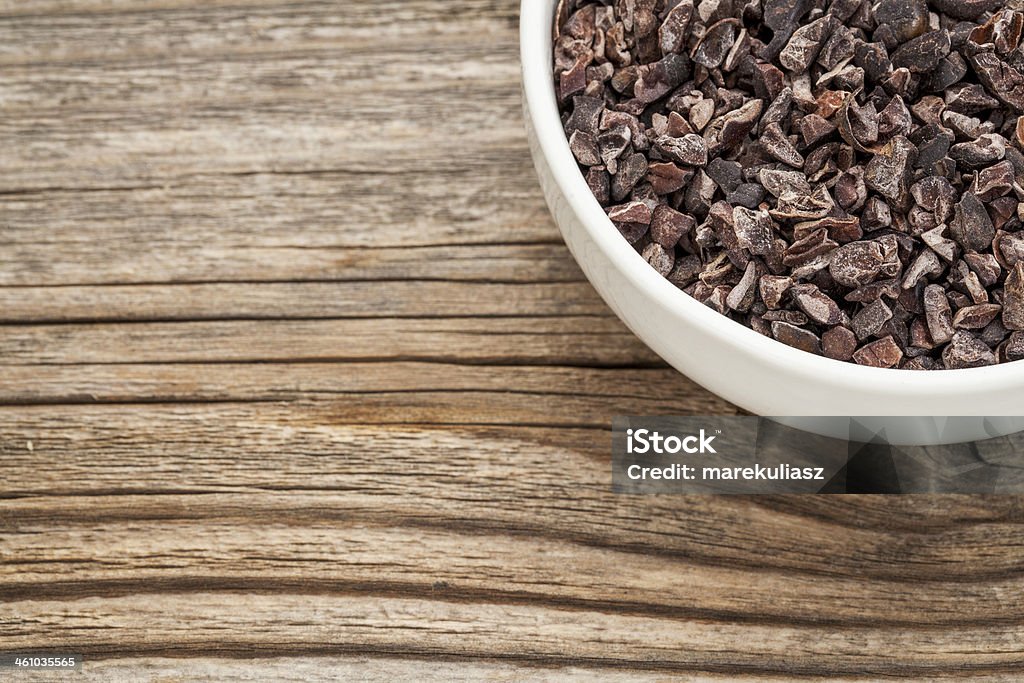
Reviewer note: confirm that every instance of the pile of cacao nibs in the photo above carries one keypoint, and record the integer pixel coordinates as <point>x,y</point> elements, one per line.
<point>843,176</point>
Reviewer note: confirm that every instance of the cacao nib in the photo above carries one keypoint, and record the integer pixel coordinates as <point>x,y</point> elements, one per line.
<point>843,176</point>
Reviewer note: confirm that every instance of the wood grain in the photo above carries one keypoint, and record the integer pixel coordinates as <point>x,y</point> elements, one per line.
<point>298,382</point>
<point>292,300</point>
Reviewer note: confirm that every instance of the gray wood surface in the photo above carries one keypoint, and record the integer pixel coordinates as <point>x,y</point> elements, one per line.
<point>297,381</point>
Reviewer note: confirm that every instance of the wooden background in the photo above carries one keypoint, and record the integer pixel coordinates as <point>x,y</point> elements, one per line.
<point>300,382</point>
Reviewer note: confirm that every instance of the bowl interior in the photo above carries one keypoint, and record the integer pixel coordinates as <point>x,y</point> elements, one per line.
<point>927,387</point>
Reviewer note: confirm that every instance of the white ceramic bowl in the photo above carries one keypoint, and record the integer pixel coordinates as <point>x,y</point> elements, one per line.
<point>760,374</point>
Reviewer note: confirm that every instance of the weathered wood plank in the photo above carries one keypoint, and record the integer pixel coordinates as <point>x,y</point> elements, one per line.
<point>284,300</point>
<point>493,395</point>
<point>241,47</point>
<point>264,228</point>
<point>375,669</point>
<point>129,28</point>
<point>288,625</point>
<point>263,550</point>
<point>598,341</point>
<point>215,145</point>
<point>97,262</point>
<point>367,668</point>
<point>538,481</point>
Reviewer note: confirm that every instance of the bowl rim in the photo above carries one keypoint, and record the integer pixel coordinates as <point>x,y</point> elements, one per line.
<point>536,43</point>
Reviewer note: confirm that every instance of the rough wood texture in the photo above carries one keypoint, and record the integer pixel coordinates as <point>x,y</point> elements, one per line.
<point>293,364</point>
